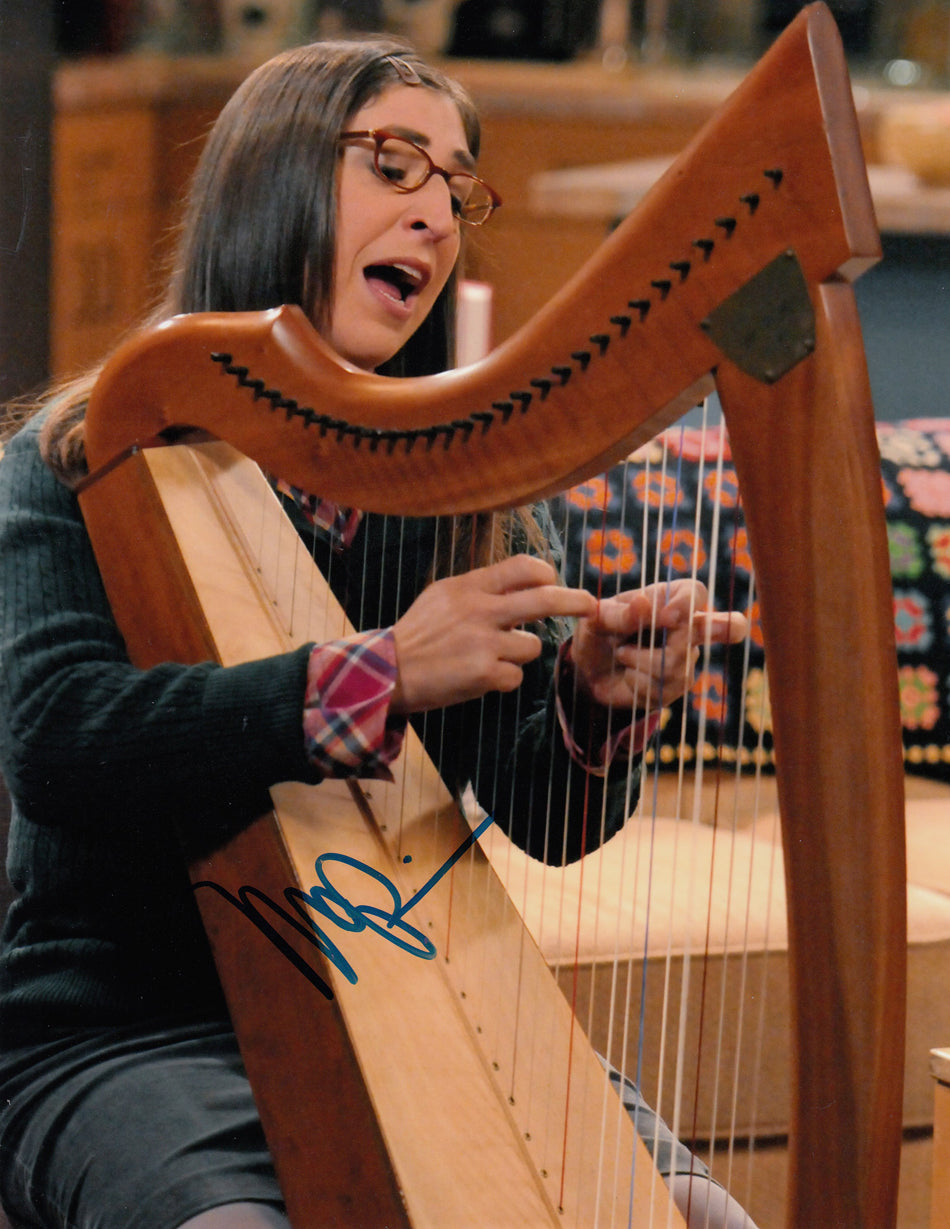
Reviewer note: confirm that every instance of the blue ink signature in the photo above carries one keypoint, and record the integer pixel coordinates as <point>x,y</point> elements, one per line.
<point>333,907</point>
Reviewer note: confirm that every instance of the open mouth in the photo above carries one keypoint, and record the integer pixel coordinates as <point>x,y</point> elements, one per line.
<point>396,281</point>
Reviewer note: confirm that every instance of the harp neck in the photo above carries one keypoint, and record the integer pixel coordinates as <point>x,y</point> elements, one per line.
<point>555,403</point>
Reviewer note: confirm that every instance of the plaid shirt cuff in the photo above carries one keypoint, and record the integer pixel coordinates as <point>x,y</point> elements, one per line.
<point>347,728</point>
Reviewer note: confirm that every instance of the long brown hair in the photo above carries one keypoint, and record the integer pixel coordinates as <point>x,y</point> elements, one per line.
<point>258,231</point>
<point>258,225</point>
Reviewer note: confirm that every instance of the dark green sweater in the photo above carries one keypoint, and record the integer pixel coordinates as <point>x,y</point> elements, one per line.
<point>102,760</point>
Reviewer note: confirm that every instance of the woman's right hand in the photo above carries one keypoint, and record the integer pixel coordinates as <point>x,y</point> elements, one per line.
<point>463,636</point>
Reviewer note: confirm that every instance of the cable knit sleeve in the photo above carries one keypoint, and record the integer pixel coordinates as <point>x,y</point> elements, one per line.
<point>85,737</point>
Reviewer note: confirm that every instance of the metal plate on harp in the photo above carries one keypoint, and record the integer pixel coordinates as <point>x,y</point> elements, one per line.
<point>767,325</point>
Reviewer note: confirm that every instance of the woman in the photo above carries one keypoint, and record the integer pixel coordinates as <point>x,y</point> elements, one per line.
<point>124,1101</point>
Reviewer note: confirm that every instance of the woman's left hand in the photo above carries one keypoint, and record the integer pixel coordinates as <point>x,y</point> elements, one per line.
<point>641,647</point>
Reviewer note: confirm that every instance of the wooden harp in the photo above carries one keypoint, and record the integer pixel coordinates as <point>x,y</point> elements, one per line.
<point>401,1101</point>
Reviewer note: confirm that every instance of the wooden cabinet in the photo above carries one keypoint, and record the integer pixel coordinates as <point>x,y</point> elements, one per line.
<point>103,229</point>
<point>126,135</point>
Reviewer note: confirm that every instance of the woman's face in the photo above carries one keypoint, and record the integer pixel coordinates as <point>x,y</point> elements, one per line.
<point>394,250</point>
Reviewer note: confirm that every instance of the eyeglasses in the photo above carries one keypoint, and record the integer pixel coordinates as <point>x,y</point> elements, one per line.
<point>406,166</point>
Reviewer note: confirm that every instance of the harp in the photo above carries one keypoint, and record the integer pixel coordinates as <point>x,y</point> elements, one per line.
<point>402,1098</point>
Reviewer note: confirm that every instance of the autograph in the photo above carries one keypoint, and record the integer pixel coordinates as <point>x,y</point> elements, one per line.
<point>333,907</point>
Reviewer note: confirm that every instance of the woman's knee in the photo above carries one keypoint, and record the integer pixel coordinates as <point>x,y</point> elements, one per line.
<point>706,1205</point>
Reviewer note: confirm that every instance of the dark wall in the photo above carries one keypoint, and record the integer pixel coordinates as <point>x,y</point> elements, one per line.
<point>26,61</point>
<point>905,315</point>
<point>904,304</point>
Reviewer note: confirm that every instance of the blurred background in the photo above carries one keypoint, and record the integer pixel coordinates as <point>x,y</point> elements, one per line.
<point>104,103</point>
<point>874,30</point>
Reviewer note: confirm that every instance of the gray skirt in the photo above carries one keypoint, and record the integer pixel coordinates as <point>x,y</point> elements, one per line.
<point>133,1129</point>
<point>129,1129</point>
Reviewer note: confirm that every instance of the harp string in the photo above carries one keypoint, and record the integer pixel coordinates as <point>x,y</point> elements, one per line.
<point>709,700</point>
<point>683,1123</point>
<point>590,512</point>
<point>758,1031</point>
<point>677,1019</point>
<point>660,543</point>
<point>771,851</point>
<point>634,758</point>
<point>701,740</point>
<point>712,1019</point>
